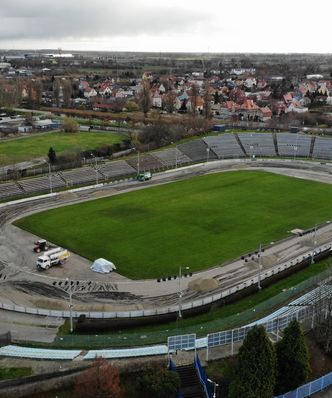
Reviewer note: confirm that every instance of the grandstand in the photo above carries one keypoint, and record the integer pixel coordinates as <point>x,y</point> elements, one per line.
<point>225,146</point>
<point>197,150</point>
<point>116,169</point>
<point>81,176</point>
<point>293,145</point>
<point>322,148</point>
<point>127,353</point>
<point>8,189</point>
<point>258,144</point>
<point>171,157</point>
<point>41,183</point>
<point>38,353</point>
<point>146,162</point>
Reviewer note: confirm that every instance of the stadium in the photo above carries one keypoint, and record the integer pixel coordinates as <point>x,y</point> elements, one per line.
<point>211,229</point>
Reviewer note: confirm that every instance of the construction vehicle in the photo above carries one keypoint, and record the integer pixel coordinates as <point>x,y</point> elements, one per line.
<point>41,245</point>
<point>144,176</point>
<point>52,257</point>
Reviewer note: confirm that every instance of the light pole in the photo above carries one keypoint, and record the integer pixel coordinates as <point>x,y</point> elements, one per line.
<point>180,292</point>
<point>49,175</point>
<point>71,309</point>
<point>259,267</point>
<point>70,291</point>
<point>314,243</point>
<point>207,154</point>
<point>138,161</point>
<point>96,164</point>
<point>215,385</point>
<point>176,157</point>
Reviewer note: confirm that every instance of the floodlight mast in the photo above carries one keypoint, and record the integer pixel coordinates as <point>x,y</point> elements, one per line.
<point>259,266</point>
<point>180,292</point>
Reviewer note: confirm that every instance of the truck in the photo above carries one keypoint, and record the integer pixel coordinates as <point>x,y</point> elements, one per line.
<point>144,176</point>
<point>52,257</point>
<point>41,245</point>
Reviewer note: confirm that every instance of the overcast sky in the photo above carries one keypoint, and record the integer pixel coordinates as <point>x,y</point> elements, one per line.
<point>168,25</point>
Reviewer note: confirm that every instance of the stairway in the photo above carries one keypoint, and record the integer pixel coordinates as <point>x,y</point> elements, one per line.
<point>190,386</point>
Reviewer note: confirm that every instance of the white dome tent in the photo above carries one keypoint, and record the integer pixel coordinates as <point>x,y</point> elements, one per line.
<point>103,266</point>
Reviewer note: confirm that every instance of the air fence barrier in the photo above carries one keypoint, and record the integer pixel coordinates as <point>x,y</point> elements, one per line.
<point>311,388</point>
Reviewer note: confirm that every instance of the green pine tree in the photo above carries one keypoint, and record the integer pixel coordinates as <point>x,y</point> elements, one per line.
<point>293,359</point>
<point>256,368</point>
<point>51,155</point>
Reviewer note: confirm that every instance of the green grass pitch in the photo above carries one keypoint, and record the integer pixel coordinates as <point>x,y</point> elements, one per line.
<point>28,148</point>
<point>199,222</point>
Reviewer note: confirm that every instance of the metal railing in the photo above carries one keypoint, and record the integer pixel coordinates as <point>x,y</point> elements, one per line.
<point>202,377</point>
<point>310,388</point>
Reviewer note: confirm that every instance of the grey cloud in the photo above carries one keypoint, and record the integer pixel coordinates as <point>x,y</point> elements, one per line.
<point>42,19</point>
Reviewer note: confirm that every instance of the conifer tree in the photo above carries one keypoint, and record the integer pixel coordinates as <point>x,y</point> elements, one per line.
<point>293,359</point>
<point>256,368</point>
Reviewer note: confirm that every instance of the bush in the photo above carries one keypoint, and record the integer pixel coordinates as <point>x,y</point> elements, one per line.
<point>70,125</point>
<point>158,383</point>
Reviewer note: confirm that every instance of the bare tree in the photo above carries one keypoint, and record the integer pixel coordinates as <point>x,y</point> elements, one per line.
<point>207,102</point>
<point>56,92</point>
<point>144,98</point>
<point>194,99</point>
<point>100,380</point>
<point>169,101</point>
<point>67,93</point>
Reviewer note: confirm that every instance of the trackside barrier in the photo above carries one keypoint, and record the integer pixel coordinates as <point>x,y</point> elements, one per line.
<point>186,342</point>
<point>310,388</point>
<point>172,309</point>
<point>202,377</point>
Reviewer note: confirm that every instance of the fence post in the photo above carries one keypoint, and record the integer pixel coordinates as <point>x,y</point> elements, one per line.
<point>232,342</point>
<point>313,319</point>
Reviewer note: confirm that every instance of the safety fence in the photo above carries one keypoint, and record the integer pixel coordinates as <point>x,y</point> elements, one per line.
<point>310,388</point>
<point>180,342</point>
<point>320,252</point>
<point>273,326</point>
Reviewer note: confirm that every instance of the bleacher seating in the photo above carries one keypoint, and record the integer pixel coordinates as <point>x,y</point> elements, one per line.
<point>225,146</point>
<point>197,150</point>
<point>146,162</point>
<point>41,183</point>
<point>9,189</point>
<point>258,144</point>
<point>38,353</point>
<point>81,176</point>
<point>171,157</point>
<point>116,169</point>
<point>293,145</point>
<point>127,352</point>
<point>322,148</point>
